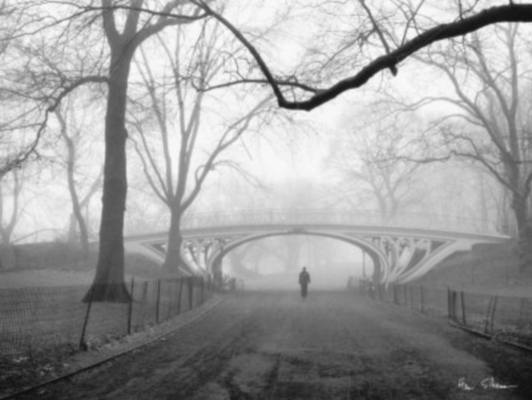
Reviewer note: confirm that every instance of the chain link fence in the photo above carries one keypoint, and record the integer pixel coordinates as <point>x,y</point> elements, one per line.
<point>504,318</point>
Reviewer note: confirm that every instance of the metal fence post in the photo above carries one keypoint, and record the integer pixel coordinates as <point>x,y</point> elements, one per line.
<point>190,292</point>
<point>462,302</point>
<point>176,297</point>
<point>455,297</point>
<point>492,315</point>
<point>130,308</point>
<point>202,290</point>
<point>158,301</point>
<point>181,280</point>
<point>448,303</point>
<point>85,322</point>
<point>451,312</point>
<point>169,308</point>
<point>486,318</point>
<point>144,302</point>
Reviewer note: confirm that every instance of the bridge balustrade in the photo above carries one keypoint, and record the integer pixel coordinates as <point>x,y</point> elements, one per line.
<point>314,217</point>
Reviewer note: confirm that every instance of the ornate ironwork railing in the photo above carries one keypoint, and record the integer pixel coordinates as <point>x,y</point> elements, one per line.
<point>291,217</point>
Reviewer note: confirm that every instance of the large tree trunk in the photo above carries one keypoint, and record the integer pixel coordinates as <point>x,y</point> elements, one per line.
<point>109,282</point>
<point>524,226</point>
<point>525,249</point>
<point>174,263</point>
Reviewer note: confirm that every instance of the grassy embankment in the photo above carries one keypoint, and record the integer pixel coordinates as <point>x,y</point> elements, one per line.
<point>487,268</point>
<point>61,264</point>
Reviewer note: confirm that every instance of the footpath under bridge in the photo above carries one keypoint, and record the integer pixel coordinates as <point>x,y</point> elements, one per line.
<point>401,250</point>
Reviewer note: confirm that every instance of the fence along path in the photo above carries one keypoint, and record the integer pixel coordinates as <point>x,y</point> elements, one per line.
<point>40,325</point>
<point>505,318</point>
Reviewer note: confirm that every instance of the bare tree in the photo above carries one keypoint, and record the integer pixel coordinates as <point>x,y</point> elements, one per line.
<point>127,24</point>
<point>492,124</point>
<point>10,186</point>
<point>400,34</point>
<point>73,51</point>
<point>178,179</point>
<point>109,279</point>
<point>376,173</point>
<point>74,136</point>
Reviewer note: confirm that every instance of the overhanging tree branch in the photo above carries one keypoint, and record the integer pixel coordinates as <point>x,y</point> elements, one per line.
<point>461,27</point>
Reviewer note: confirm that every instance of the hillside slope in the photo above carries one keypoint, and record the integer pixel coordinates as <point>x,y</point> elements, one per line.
<point>486,268</point>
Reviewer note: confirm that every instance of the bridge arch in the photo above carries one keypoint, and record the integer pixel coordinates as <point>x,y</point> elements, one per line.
<point>402,250</point>
<point>379,258</point>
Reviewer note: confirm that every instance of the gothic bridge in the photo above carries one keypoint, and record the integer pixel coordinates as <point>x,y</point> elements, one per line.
<point>401,250</point>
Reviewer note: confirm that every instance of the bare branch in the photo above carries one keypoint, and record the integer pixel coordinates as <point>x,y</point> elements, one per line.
<point>393,68</point>
<point>461,27</point>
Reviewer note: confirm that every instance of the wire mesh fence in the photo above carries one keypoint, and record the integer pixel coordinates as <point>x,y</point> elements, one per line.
<point>42,324</point>
<point>503,317</point>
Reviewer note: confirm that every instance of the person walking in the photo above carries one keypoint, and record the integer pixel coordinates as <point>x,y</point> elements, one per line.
<point>304,280</point>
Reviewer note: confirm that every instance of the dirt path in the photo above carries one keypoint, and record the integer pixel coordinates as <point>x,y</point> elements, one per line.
<point>331,346</point>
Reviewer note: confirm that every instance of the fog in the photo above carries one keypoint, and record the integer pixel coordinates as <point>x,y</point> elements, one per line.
<point>323,277</point>
<point>275,263</point>
<point>386,149</point>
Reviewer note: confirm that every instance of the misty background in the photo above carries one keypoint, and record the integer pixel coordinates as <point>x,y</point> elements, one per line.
<point>419,143</point>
